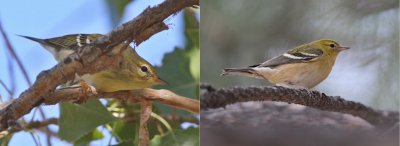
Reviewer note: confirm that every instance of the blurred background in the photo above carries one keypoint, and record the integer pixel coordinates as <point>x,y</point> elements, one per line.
<point>49,18</point>
<point>239,33</point>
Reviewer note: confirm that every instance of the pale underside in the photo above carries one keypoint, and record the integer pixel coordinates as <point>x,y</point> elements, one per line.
<point>110,81</point>
<point>296,75</point>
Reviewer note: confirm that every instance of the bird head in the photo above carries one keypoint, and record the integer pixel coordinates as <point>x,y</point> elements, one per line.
<point>329,46</point>
<point>146,73</point>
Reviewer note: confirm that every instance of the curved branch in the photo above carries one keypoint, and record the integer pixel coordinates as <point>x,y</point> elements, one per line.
<point>164,96</point>
<point>314,99</point>
<point>145,112</point>
<point>91,59</point>
<point>24,72</point>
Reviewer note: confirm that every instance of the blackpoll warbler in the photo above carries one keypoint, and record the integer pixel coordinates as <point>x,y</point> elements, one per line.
<point>302,67</point>
<point>134,72</point>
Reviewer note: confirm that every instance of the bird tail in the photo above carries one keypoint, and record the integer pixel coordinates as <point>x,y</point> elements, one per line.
<point>238,72</point>
<point>32,38</point>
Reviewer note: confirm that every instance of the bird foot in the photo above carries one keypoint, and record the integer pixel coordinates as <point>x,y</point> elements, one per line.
<point>86,90</point>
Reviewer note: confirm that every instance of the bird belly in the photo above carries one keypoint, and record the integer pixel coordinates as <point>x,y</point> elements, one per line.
<point>264,72</point>
<point>62,54</point>
<point>105,81</point>
<point>300,75</point>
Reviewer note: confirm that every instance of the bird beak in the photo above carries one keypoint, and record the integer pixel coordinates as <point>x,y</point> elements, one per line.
<point>341,48</point>
<point>161,81</point>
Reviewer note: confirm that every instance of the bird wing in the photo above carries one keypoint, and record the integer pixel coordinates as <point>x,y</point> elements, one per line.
<point>72,41</point>
<point>297,55</point>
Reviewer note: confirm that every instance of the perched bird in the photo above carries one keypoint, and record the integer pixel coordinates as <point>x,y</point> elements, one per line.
<point>302,67</point>
<point>133,73</point>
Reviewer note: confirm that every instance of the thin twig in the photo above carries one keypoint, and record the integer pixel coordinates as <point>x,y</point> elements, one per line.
<point>90,59</point>
<point>34,136</point>
<point>145,112</point>
<point>24,72</point>
<point>14,55</point>
<point>6,88</point>
<point>31,125</point>
<point>172,118</point>
<point>11,75</point>
<point>46,129</point>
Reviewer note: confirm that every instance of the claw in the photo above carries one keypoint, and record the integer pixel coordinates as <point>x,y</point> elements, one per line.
<point>87,91</point>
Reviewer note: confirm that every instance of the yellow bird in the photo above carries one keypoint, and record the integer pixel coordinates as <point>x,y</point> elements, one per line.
<point>134,71</point>
<point>302,67</point>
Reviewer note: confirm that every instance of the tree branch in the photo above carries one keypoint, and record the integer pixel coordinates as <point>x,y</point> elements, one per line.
<point>90,59</point>
<point>314,99</point>
<point>24,72</point>
<point>145,112</point>
<point>163,96</point>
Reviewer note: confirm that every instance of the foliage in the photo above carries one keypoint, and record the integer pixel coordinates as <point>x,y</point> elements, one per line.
<point>180,68</point>
<point>187,137</point>
<point>79,124</point>
<point>116,9</point>
<point>78,120</point>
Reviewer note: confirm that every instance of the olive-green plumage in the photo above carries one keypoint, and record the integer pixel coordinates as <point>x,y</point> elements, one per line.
<point>304,66</point>
<point>133,73</point>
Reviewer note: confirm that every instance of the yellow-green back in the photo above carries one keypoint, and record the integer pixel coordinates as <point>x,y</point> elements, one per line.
<point>133,73</point>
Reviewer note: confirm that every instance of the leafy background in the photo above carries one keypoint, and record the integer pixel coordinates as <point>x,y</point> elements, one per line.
<point>175,52</point>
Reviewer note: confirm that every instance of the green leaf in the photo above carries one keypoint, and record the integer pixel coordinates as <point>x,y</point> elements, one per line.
<point>117,8</point>
<point>181,68</point>
<point>176,71</point>
<point>191,29</point>
<point>85,140</point>
<point>125,131</point>
<point>188,137</point>
<point>126,143</point>
<point>78,120</point>
<point>194,56</point>
<point>192,34</point>
<point>5,140</point>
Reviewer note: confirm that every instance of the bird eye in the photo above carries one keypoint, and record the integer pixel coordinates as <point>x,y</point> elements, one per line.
<point>144,69</point>
<point>332,45</point>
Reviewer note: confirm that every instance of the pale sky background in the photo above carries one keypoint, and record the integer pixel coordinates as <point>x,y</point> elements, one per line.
<point>50,18</point>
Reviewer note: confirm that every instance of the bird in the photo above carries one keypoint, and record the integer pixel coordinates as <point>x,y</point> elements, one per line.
<point>302,67</point>
<point>134,72</point>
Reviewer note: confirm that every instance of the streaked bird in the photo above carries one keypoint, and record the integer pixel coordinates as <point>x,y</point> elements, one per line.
<point>133,73</point>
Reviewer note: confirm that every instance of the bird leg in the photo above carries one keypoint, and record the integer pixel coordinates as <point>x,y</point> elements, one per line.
<point>87,91</point>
